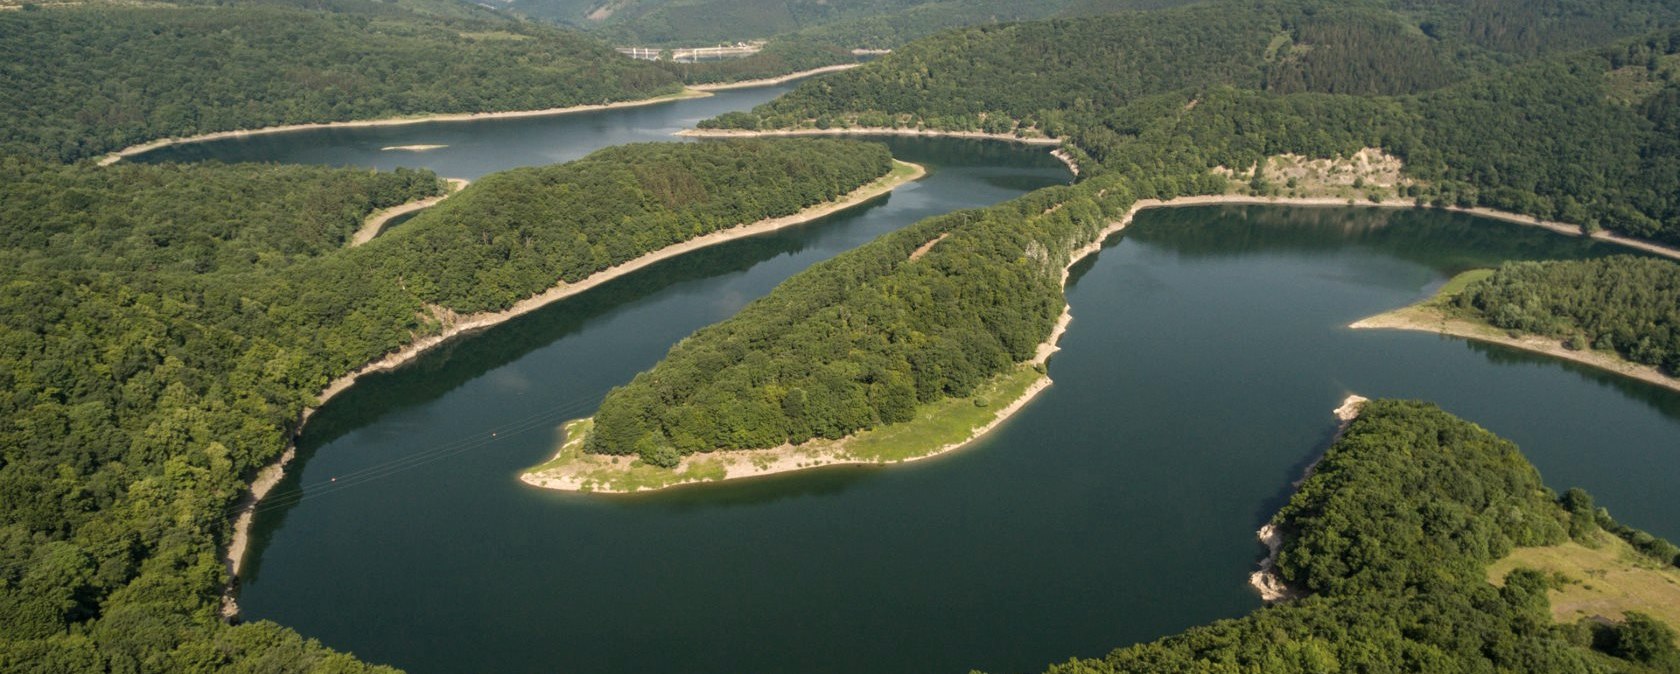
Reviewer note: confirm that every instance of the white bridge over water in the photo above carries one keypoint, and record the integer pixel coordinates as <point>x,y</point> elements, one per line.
<point>691,54</point>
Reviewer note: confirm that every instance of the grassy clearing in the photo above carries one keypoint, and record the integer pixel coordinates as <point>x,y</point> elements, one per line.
<point>1438,309</point>
<point>598,472</point>
<point>1608,580</point>
<point>638,476</point>
<point>1632,84</point>
<point>942,423</point>
<point>572,448</point>
<point>1457,284</point>
<point>900,171</point>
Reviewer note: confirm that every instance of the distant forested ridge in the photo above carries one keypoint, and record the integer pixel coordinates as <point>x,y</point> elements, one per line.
<point>1391,537</point>
<point>87,80</point>
<point>1628,305</point>
<point>870,24</point>
<point>779,57</point>
<point>697,22</point>
<point>1475,98</point>
<point>164,325</point>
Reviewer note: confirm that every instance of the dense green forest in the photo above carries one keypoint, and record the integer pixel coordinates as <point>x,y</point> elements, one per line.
<point>861,339</point>
<point>1624,304</point>
<point>1390,537</point>
<point>83,81</point>
<point>113,221</point>
<point>165,325</point>
<point>1587,137</point>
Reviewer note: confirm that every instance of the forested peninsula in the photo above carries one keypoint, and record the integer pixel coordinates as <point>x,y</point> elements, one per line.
<point>1620,313</point>
<point>167,326</point>
<point>861,341</point>
<point>1390,541</point>
<point>157,354</point>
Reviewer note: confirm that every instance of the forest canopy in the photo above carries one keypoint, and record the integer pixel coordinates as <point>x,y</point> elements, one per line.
<point>1391,537</point>
<point>862,339</point>
<point>165,325</point>
<point>1629,305</point>
<point>1479,103</point>
<point>85,81</point>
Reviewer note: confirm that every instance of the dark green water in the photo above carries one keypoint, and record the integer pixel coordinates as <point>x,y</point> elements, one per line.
<point>447,563</point>
<point>1207,350</point>
<point>473,148</point>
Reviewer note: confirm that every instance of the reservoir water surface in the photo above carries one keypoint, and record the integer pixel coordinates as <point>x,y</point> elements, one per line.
<point>1207,349</point>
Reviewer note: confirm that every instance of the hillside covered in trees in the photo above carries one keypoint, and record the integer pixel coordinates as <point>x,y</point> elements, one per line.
<point>165,325</point>
<point>1623,304</point>
<point>860,340</point>
<point>1478,103</point>
<point>87,80</point>
<point>1390,538</point>
<point>156,352</point>
<point>691,22</point>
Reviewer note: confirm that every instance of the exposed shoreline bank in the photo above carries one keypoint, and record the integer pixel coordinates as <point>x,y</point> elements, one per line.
<point>772,81</point>
<point>1503,216</point>
<point>867,131</point>
<point>742,464</point>
<point>1424,318</point>
<point>687,92</point>
<point>902,173</point>
<point>753,463</point>
<point>1266,580</point>
<point>375,223</point>
<point>132,150</point>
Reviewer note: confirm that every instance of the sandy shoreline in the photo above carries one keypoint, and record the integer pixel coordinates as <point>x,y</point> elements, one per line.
<point>1266,580</point>
<point>1503,216</point>
<point>865,131</point>
<point>693,91</point>
<point>271,474</point>
<point>143,148</point>
<point>740,464</point>
<point>753,463</point>
<point>1062,155</point>
<point>771,81</point>
<point>374,223</point>
<point>1421,318</point>
<point>787,458</point>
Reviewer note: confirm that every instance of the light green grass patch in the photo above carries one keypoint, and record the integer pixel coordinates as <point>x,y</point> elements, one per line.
<point>1456,285</point>
<point>571,449</point>
<point>1608,580</point>
<point>899,172</point>
<point>943,422</point>
<point>1633,84</point>
<point>600,472</point>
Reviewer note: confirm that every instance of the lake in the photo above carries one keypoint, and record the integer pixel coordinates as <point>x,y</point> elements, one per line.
<point>1196,382</point>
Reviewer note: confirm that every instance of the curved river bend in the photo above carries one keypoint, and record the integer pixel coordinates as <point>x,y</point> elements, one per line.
<point>1207,350</point>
